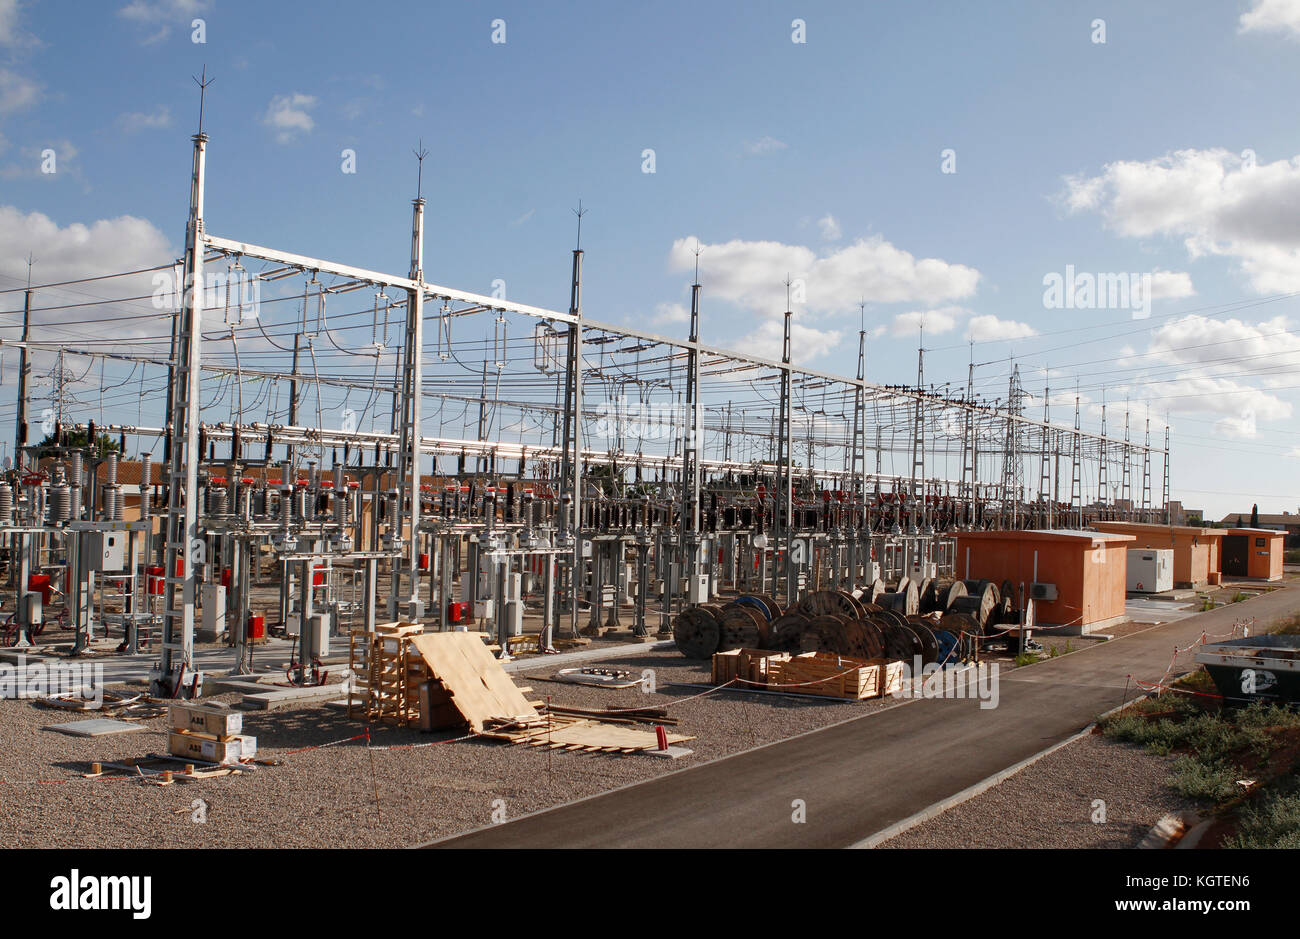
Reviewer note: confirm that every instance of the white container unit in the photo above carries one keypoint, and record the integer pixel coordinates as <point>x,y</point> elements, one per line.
<point>1150,570</point>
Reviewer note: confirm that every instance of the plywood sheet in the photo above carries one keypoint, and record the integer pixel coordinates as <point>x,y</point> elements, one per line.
<point>480,688</point>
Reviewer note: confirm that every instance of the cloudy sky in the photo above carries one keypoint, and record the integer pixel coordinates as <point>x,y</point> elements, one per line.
<point>972,170</point>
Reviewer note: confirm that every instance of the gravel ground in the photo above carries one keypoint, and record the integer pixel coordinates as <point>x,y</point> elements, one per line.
<point>1050,803</point>
<point>327,797</point>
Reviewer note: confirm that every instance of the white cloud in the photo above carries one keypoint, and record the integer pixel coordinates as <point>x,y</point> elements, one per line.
<point>1218,203</point>
<point>668,313</point>
<point>133,121</point>
<point>1280,16</point>
<point>80,250</point>
<point>752,274</point>
<point>8,22</point>
<point>287,115</point>
<point>987,327</point>
<point>1171,285</point>
<point>523,218</point>
<point>806,343</point>
<point>936,322</point>
<point>162,15</point>
<point>16,92</point>
<point>1222,368</point>
<point>765,145</point>
<point>1268,350</point>
<point>829,227</point>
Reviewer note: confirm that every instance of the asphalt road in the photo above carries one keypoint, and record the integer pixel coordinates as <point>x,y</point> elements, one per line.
<point>859,777</point>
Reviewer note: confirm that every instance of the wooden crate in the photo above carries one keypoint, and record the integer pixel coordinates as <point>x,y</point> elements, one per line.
<point>892,682</point>
<point>756,664</point>
<point>204,719</point>
<point>749,665</point>
<point>726,666</point>
<point>827,675</point>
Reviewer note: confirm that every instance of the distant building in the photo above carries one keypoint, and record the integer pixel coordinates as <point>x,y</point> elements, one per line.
<point>1288,522</point>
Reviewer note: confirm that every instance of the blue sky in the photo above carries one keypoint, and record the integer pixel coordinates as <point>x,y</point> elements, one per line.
<point>824,156</point>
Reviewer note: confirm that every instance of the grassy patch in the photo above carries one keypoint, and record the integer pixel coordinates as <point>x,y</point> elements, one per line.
<point>1215,747</point>
<point>1274,822</point>
<point>1207,782</point>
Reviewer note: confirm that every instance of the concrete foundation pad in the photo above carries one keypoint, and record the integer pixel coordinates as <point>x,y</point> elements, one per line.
<point>533,662</point>
<point>287,697</point>
<point>244,683</point>
<point>626,635</point>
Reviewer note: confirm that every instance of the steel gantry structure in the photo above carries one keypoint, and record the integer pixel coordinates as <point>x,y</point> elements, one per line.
<point>624,439</point>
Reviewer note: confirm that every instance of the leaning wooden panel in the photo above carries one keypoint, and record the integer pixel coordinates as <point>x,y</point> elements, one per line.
<point>480,688</point>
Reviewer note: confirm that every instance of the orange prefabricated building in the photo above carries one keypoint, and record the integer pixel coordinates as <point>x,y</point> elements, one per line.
<point>1088,569</point>
<point>1253,552</point>
<point>1196,550</point>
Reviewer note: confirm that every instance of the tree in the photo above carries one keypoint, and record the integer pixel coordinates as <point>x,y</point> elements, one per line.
<point>1254,516</point>
<point>76,440</point>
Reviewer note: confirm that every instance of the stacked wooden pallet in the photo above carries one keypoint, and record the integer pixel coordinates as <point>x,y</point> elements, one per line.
<point>391,696</point>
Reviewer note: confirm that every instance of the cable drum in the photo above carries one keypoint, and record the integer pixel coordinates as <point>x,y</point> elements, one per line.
<point>828,633</point>
<point>929,643</point>
<point>786,631</point>
<point>741,627</point>
<point>823,602</point>
<point>696,632</point>
<point>865,640</point>
<point>906,600</point>
<point>979,603</point>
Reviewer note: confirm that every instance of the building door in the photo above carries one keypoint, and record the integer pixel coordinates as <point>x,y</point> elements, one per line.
<point>1236,555</point>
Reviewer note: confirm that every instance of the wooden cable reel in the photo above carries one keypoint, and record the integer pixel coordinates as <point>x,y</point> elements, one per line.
<point>864,640</point>
<point>697,632</point>
<point>925,589</point>
<point>836,602</point>
<point>828,633</point>
<point>958,623</point>
<point>940,594</point>
<point>980,602</point>
<point>929,644</point>
<point>905,600</point>
<point>785,631</point>
<point>765,604</point>
<point>902,642</point>
<point>741,626</point>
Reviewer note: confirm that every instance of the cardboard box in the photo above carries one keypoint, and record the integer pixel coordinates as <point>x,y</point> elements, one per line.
<point>205,719</point>
<point>209,749</point>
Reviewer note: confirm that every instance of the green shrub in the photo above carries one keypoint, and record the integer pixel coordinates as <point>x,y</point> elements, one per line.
<point>1210,782</point>
<point>1273,823</point>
